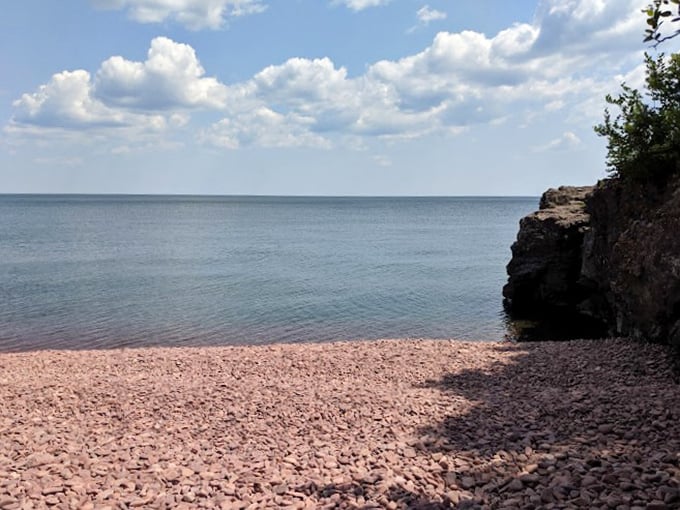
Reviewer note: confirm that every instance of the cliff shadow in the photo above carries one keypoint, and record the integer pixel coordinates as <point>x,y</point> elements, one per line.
<point>596,423</point>
<point>550,325</point>
<point>364,496</point>
<point>585,424</point>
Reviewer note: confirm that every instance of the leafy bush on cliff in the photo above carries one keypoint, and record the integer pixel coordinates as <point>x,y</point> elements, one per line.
<point>657,13</point>
<point>644,138</point>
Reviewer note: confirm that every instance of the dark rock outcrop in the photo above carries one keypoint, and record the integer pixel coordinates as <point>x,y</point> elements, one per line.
<point>608,254</point>
<point>546,258</point>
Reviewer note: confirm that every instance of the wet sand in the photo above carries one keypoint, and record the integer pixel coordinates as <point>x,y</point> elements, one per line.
<point>379,424</point>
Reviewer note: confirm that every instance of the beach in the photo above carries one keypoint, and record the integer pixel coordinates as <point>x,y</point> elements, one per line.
<point>367,424</point>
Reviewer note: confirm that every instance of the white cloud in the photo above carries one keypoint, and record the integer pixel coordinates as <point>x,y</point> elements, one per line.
<point>582,26</point>
<point>205,14</point>
<point>263,127</point>
<point>150,95</point>
<point>126,107</point>
<point>303,82</point>
<point>65,101</point>
<point>317,95</point>
<point>68,102</point>
<point>360,5</point>
<point>171,77</point>
<point>460,80</point>
<point>194,14</point>
<point>426,15</point>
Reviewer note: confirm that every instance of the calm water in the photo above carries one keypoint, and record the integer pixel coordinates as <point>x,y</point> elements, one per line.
<point>113,271</point>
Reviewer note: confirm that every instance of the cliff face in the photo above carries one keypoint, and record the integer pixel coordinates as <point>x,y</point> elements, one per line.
<point>546,258</point>
<point>608,254</point>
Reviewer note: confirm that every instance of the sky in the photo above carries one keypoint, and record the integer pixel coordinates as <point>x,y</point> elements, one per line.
<point>311,97</point>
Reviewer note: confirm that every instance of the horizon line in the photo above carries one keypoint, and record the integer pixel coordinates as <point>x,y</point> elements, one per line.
<point>254,195</point>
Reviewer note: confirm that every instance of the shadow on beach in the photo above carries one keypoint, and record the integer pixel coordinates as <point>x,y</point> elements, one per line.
<point>587,424</point>
<point>598,424</point>
<point>386,424</point>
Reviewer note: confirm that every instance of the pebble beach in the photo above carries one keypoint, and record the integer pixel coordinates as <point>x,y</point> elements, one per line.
<point>374,424</point>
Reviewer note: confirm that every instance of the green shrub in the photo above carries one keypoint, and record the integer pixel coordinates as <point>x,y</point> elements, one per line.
<point>643,140</point>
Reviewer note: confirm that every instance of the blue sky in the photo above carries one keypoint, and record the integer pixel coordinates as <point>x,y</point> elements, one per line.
<point>310,97</point>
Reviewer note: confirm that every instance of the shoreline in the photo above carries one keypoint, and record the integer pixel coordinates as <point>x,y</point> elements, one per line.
<point>262,345</point>
<point>354,424</point>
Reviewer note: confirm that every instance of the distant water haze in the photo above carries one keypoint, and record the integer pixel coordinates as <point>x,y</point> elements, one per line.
<point>83,272</point>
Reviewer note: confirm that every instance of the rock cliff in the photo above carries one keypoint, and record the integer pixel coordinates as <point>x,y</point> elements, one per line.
<point>607,255</point>
<point>546,258</point>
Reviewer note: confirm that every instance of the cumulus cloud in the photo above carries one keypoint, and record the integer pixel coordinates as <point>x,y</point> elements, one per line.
<point>578,26</point>
<point>194,14</point>
<point>67,101</point>
<point>461,79</point>
<point>263,127</point>
<point>319,97</point>
<point>171,77</point>
<point>303,82</point>
<point>151,95</point>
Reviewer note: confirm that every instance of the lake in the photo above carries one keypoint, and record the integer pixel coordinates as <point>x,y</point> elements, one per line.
<point>108,271</point>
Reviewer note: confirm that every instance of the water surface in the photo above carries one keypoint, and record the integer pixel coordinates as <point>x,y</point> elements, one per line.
<point>114,271</point>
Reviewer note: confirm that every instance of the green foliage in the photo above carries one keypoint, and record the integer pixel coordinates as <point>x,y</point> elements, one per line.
<point>644,138</point>
<point>657,12</point>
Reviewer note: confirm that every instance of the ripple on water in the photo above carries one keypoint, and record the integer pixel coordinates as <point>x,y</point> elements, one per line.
<point>108,272</point>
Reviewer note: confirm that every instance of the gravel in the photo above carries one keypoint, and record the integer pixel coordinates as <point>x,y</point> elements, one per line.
<point>376,424</point>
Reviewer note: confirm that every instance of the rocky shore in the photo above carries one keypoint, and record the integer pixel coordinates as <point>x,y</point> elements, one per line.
<point>606,256</point>
<point>384,424</point>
